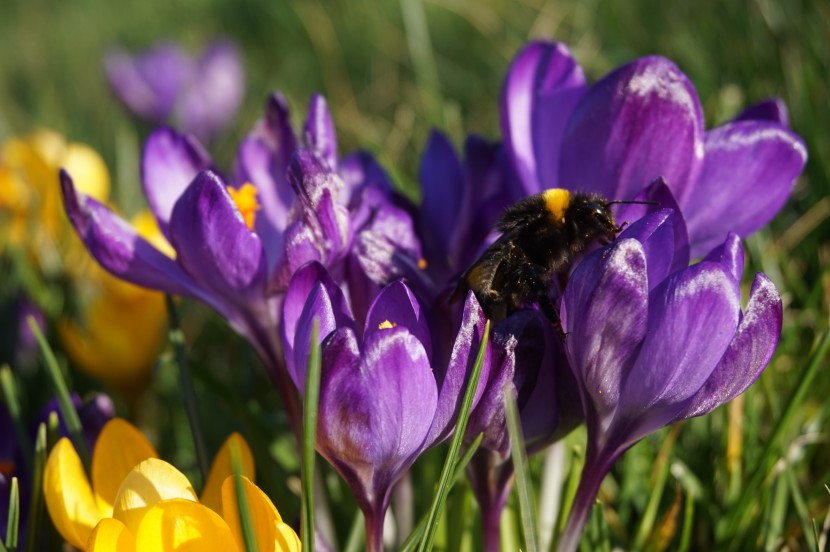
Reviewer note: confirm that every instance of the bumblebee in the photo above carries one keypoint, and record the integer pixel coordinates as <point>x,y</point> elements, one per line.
<point>540,237</point>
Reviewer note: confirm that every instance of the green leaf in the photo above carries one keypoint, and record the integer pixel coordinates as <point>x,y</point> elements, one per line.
<point>310,410</point>
<point>448,470</point>
<point>36,496</point>
<point>524,488</point>
<point>14,516</point>
<point>10,395</point>
<point>245,520</point>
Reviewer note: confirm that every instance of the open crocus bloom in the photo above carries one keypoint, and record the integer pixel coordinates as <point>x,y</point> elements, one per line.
<point>640,122</point>
<point>650,344</point>
<point>165,83</point>
<point>76,505</point>
<point>156,509</point>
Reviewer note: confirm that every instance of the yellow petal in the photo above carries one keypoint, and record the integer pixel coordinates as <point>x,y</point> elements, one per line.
<point>88,170</point>
<point>119,449</point>
<point>147,227</point>
<point>272,535</point>
<point>183,526</point>
<point>110,535</point>
<point>221,469</point>
<point>147,484</point>
<point>68,494</point>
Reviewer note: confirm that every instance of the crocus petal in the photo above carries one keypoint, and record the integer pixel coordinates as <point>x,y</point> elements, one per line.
<point>183,525</point>
<point>110,535</point>
<point>386,428</point>
<point>119,449</point>
<point>396,305</point>
<point>222,467</point>
<point>169,163</point>
<point>358,170</point>
<point>270,532</point>
<point>442,185</point>
<point>748,174</point>
<point>604,313</point>
<point>214,244</point>
<point>452,383</point>
<point>116,245</point>
<point>542,87</point>
<point>640,122</point>
<point>68,494</point>
<point>657,234</point>
<point>692,318</point>
<point>146,485</point>
<point>334,314</point>
<point>319,131</point>
<point>148,83</point>
<point>747,355</point>
<point>262,159</point>
<point>771,109</point>
<point>730,255</point>
<point>214,93</point>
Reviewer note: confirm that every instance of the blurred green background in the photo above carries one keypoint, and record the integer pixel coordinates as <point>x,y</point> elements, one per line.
<point>391,71</point>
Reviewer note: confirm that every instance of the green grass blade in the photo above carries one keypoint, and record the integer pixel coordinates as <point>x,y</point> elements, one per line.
<point>310,410</point>
<point>70,415</point>
<point>355,540</point>
<point>661,473</point>
<point>10,395</point>
<point>176,337</point>
<point>245,520</point>
<point>423,60</point>
<point>739,516</point>
<point>14,516</point>
<point>448,471</point>
<point>36,496</point>
<point>524,489</point>
<point>688,524</point>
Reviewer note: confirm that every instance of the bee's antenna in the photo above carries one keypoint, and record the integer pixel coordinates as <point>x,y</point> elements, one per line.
<point>621,202</point>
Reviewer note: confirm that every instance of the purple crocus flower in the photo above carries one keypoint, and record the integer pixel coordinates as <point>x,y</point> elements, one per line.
<point>650,345</point>
<point>164,83</point>
<point>383,400</point>
<point>235,244</point>
<point>640,122</point>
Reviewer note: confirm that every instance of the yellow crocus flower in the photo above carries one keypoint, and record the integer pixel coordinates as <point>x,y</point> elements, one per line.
<point>118,329</point>
<point>128,482</point>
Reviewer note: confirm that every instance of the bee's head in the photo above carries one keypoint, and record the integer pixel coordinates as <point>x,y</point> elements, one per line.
<point>591,216</point>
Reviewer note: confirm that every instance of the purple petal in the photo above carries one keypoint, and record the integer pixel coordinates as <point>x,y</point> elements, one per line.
<point>213,243</point>
<point>453,379</point>
<point>772,109</point>
<point>302,303</point>
<point>262,160</point>
<point>640,122</point>
<point>360,170</point>
<point>169,163</point>
<point>657,233</point>
<point>149,83</point>
<point>442,186</point>
<point>692,318</point>
<point>214,93</point>
<point>604,313</point>
<point>730,255</point>
<point>116,245</point>
<point>397,305</point>
<point>748,174</point>
<point>542,87</point>
<point>375,415</point>
<point>319,133</point>
<point>748,354</point>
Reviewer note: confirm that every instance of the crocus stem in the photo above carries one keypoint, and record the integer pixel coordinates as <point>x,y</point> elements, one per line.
<point>374,531</point>
<point>491,527</point>
<point>596,468</point>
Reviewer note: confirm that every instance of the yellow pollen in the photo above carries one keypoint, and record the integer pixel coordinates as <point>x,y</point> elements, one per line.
<point>386,325</point>
<point>557,201</point>
<point>246,202</point>
<point>422,263</point>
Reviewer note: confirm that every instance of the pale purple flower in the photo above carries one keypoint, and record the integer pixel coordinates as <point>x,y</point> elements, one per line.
<point>640,122</point>
<point>165,84</point>
<point>650,344</point>
<point>383,399</point>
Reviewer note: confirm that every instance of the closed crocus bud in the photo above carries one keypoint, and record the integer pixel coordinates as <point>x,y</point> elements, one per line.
<point>650,345</point>
<point>382,402</point>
